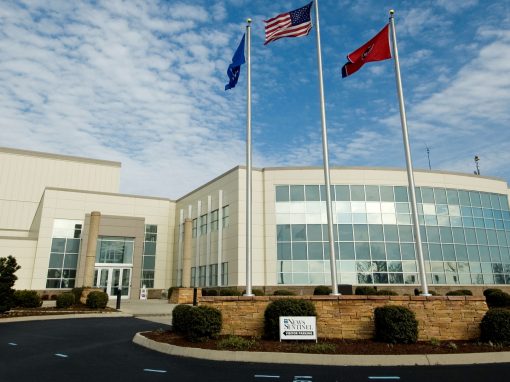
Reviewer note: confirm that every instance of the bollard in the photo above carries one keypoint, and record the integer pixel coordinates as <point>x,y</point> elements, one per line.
<point>194,296</point>
<point>119,293</point>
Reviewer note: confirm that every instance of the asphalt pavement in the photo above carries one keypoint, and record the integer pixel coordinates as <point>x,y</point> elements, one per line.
<point>98,349</point>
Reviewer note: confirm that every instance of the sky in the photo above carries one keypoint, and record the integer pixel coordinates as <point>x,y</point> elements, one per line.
<point>142,82</point>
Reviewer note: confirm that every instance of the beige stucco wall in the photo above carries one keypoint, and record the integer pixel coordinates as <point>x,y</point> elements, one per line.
<point>25,175</point>
<point>231,243</point>
<point>74,205</point>
<point>23,250</point>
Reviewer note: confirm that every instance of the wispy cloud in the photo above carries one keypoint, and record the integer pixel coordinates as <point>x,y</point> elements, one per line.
<point>128,81</point>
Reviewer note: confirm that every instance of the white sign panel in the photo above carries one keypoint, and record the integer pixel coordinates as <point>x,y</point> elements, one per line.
<point>298,328</point>
<point>143,293</point>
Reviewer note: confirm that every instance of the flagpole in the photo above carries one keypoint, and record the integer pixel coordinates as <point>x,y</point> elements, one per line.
<point>329,211</point>
<point>409,163</point>
<point>248,165</point>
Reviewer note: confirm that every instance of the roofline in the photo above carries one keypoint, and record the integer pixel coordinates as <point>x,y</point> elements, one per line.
<point>59,156</point>
<point>379,169</point>
<point>108,194</point>
<point>298,168</point>
<point>211,181</point>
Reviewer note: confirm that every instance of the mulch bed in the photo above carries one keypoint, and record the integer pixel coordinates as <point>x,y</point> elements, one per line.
<point>51,311</point>
<point>363,347</point>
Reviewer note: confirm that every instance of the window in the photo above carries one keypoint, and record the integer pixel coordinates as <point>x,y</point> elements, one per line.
<point>226,216</point>
<point>213,272</point>
<point>114,250</point>
<point>224,273</point>
<point>214,220</point>
<point>65,249</point>
<point>149,256</point>
<point>203,224</point>
<point>194,228</point>
<point>201,277</point>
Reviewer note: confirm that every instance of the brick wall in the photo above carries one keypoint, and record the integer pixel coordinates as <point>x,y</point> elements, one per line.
<point>351,317</point>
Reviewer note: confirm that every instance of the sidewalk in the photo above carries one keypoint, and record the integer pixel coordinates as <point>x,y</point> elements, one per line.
<point>157,310</point>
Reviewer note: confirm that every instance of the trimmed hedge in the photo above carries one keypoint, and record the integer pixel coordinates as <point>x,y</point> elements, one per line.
<point>180,318</point>
<point>77,294</point>
<point>196,323</point>
<point>204,322</point>
<point>255,292</point>
<point>460,292</point>
<point>229,292</point>
<point>386,292</point>
<point>365,291</point>
<point>209,292</point>
<point>97,300</point>
<point>498,299</point>
<point>491,290</point>
<point>495,326</point>
<point>284,307</point>
<point>27,299</point>
<point>322,290</point>
<point>395,324</point>
<point>283,292</point>
<point>65,300</point>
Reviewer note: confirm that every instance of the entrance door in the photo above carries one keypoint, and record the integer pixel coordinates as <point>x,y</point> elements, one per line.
<point>109,279</point>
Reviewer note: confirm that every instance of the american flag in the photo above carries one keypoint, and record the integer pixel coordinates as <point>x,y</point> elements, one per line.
<point>295,23</point>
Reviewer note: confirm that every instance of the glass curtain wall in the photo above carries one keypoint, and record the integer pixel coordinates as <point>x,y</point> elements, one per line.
<point>465,235</point>
<point>65,249</point>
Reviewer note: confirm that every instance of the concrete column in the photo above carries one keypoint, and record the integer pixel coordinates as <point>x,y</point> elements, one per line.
<point>186,261</point>
<point>90,257</point>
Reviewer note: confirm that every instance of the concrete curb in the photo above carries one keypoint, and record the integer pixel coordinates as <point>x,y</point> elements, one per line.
<point>324,359</point>
<point>64,316</point>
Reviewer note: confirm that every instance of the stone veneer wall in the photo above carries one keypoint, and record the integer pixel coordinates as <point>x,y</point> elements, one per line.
<point>351,317</point>
<point>184,296</point>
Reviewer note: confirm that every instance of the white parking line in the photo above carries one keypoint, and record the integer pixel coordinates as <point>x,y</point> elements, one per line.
<point>61,355</point>
<point>154,371</point>
<point>266,376</point>
<point>384,377</point>
<point>303,376</point>
<point>12,344</point>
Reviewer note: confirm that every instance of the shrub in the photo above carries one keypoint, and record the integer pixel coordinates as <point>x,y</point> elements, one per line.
<point>171,290</point>
<point>255,292</point>
<point>77,295</point>
<point>209,292</point>
<point>283,292</point>
<point>204,322</point>
<point>386,292</point>
<point>27,299</point>
<point>491,290</point>
<point>97,300</point>
<point>459,292</point>
<point>322,290</point>
<point>8,266</point>
<point>65,300</point>
<point>236,343</point>
<point>365,290</point>
<point>318,348</point>
<point>431,292</point>
<point>498,299</point>
<point>395,324</point>
<point>495,326</point>
<point>284,307</point>
<point>180,318</point>
<point>229,292</point>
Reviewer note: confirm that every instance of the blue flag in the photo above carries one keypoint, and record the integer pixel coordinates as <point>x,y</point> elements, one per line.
<point>234,69</point>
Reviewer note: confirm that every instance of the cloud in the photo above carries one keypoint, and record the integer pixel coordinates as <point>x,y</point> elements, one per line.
<point>127,81</point>
<point>468,116</point>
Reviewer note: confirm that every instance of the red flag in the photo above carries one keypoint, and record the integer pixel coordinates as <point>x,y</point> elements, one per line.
<point>377,49</point>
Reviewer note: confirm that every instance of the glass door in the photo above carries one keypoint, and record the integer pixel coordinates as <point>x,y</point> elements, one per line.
<point>109,279</point>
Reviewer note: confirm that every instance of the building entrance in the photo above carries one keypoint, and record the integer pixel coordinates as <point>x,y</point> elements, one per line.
<point>110,278</point>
